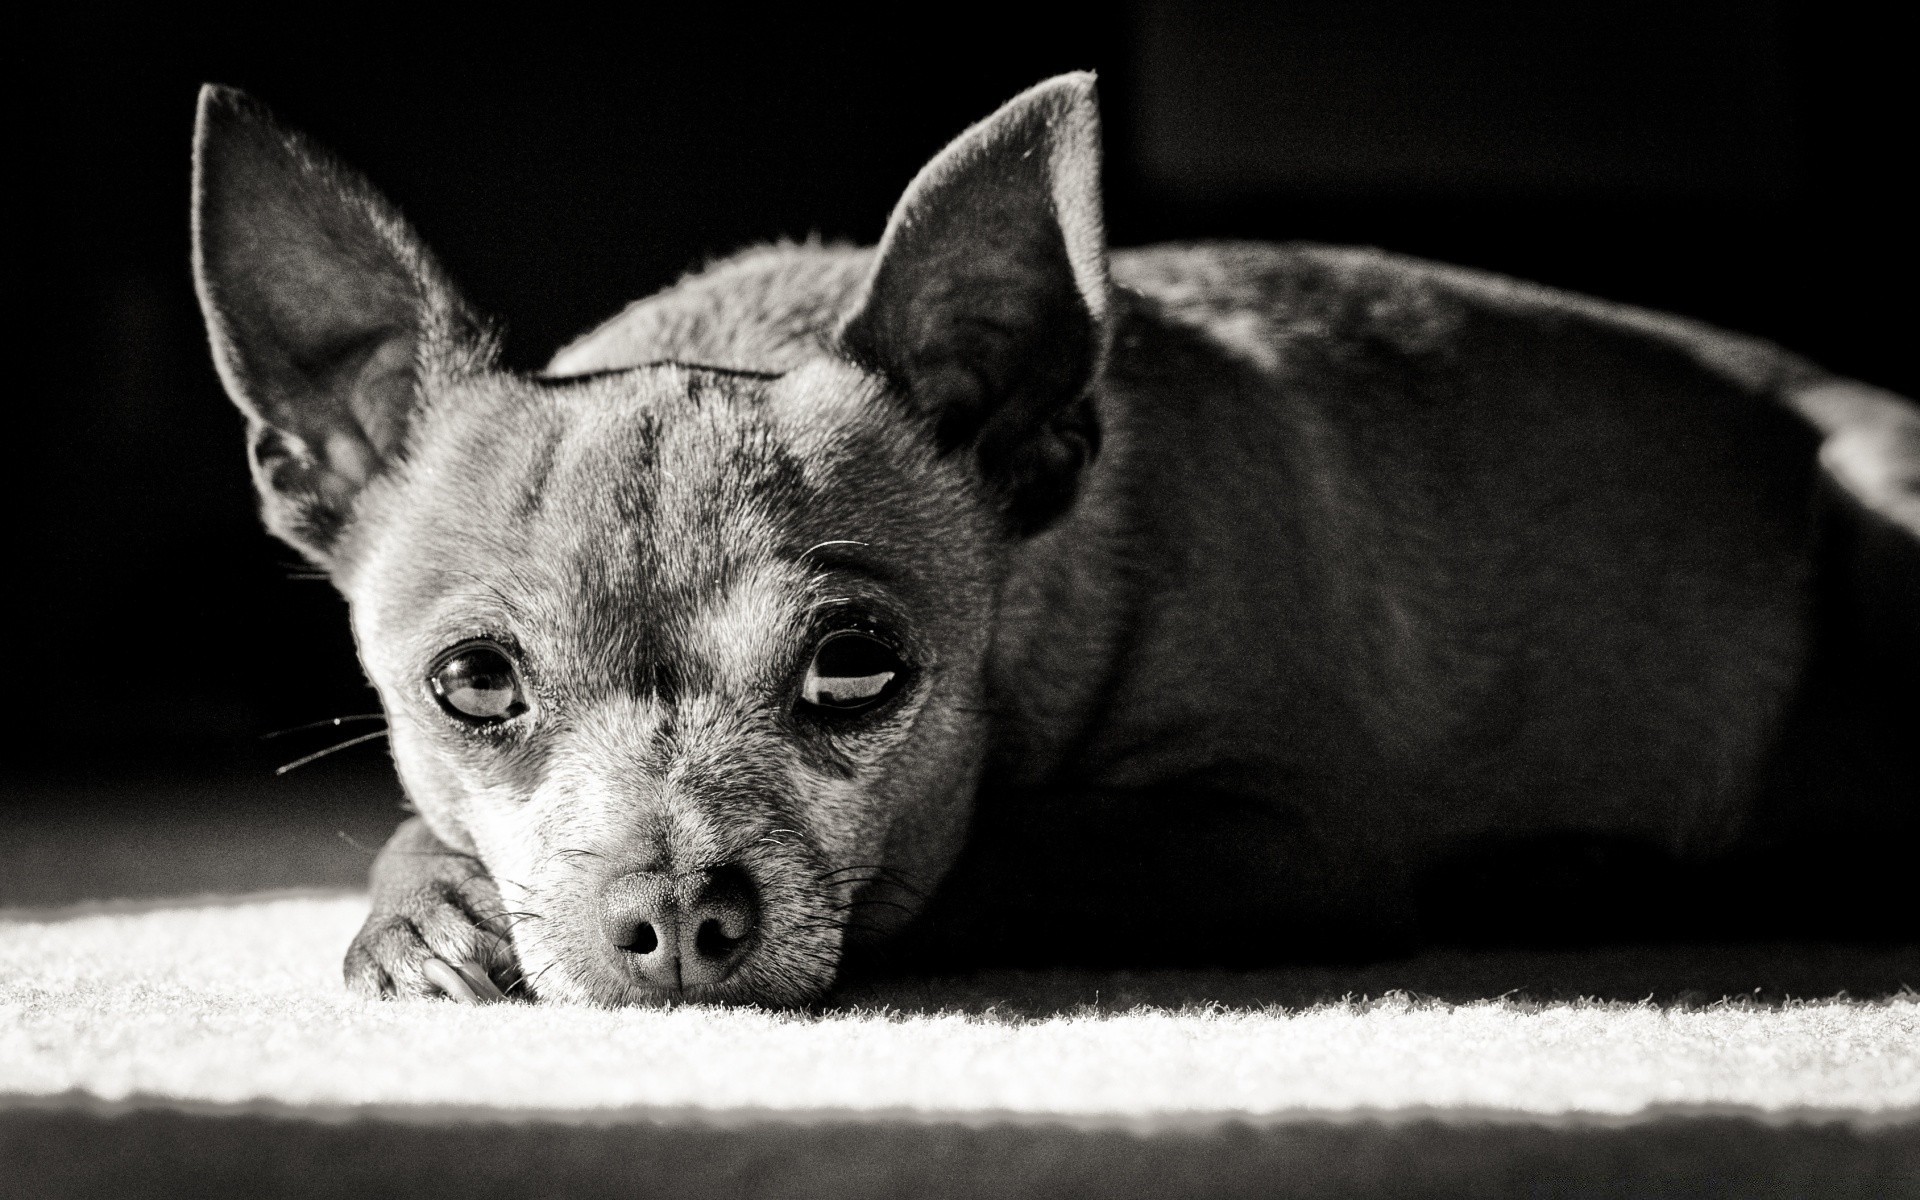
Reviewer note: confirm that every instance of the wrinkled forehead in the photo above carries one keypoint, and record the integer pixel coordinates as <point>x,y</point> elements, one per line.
<point>658,477</point>
<point>620,511</point>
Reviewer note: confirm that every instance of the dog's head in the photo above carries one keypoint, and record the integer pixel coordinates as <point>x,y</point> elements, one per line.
<point>685,640</point>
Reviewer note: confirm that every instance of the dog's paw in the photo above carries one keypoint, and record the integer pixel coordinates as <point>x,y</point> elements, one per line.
<point>429,946</point>
<point>439,931</point>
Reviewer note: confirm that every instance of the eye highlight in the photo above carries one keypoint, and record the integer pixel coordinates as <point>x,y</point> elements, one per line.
<point>478,683</point>
<point>851,670</point>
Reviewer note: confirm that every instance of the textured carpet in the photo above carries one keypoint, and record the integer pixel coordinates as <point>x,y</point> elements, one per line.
<point>242,1002</point>
<point>142,1046</point>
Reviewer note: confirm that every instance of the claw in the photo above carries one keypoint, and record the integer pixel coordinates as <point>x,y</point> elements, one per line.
<point>450,981</point>
<point>481,983</point>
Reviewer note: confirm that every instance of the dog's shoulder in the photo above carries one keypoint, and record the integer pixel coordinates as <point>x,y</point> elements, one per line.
<point>766,308</point>
<point>1259,299</point>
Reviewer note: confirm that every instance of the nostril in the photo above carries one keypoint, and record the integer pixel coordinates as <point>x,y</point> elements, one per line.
<point>724,913</point>
<point>643,940</point>
<point>641,921</point>
<point>712,940</point>
<point>681,930</point>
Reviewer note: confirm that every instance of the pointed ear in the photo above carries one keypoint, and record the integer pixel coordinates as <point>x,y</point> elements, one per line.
<point>987,306</point>
<point>325,312</point>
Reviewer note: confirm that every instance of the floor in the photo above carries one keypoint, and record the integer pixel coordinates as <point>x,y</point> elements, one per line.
<point>116,850</point>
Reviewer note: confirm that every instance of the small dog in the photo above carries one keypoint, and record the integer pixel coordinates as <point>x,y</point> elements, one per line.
<point>1158,601</point>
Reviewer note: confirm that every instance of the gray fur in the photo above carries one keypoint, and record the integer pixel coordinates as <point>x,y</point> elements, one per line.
<point>1366,557</point>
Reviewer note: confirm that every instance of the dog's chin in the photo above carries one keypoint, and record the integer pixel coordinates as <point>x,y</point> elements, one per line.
<point>615,993</point>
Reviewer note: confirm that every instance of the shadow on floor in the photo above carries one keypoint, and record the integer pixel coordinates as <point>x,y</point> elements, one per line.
<point>1761,973</point>
<point>66,842</point>
<point>54,1150</point>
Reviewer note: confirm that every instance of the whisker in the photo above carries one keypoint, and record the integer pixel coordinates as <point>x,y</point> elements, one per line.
<point>841,927</point>
<point>330,721</point>
<point>853,881</point>
<point>882,867</point>
<point>895,877</point>
<point>770,840</point>
<point>481,872</point>
<point>855,867</point>
<point>824,545</point>
<point>534,982</point>
<point>872,903</point>
<point>335,749</point>
<point>507,927</point>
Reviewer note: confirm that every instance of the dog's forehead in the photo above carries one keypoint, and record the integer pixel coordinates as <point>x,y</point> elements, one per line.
<point>557,500</point>
<point>685,463</point>
<point>634,519</point>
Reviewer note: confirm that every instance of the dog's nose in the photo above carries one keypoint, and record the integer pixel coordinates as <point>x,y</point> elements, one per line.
<point>676,931</point>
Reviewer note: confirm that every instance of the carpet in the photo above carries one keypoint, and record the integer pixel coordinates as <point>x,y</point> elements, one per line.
<point>147,1046</point>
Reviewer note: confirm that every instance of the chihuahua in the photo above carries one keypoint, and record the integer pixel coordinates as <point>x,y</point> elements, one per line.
<point>991,586</point>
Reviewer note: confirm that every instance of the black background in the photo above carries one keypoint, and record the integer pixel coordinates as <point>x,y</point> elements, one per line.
<point>1732,162</point>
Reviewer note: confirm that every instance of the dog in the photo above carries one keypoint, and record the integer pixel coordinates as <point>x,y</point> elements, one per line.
<point>990,587</point>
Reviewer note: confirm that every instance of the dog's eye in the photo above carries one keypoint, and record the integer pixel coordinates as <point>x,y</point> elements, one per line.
<point>850,670</point>
<point>478,682</point>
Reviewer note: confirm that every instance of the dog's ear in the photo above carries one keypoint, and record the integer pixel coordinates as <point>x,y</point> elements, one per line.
<point>987,306</point>
<point>326,313</point>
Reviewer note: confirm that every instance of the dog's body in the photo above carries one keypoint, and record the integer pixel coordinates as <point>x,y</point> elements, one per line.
<point>1369,545</point>
<point>1214,593</point>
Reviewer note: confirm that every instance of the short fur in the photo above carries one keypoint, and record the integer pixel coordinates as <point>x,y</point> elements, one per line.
<point>1239,585</point>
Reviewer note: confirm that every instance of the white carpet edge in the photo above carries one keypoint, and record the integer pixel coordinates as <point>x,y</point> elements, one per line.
<point>76,910</point>
<point>1169,1123</point>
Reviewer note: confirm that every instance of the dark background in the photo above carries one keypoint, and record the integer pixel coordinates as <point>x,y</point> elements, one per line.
<point>1732,162</point>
